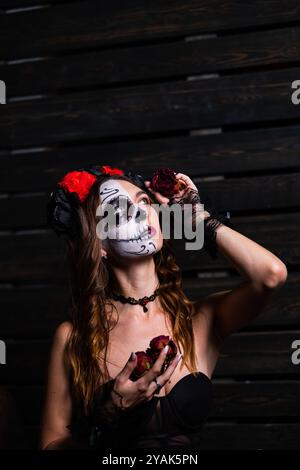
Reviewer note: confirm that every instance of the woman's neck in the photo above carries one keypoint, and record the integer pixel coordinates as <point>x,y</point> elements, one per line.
<point>137,280</point>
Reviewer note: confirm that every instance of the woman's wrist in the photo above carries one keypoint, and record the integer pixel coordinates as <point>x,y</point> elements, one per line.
<point>111,408</point>
<point>198,215</point>
<point>117,399</point>
<point>211,226</point>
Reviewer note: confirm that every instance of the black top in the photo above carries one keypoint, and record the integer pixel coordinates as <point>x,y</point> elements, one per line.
<point>175,419</point>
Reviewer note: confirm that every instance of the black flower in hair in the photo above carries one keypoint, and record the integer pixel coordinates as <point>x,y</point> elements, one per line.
<point>62,213</point>
<point>139,181</point>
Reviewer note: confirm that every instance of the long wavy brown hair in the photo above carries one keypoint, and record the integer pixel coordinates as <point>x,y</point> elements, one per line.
<point>90,283</point>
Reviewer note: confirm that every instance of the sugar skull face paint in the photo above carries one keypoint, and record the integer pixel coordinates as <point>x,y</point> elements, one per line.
<point>136,231</point>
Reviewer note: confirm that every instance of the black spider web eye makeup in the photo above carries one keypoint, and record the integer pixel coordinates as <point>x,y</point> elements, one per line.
<point>122,207</point>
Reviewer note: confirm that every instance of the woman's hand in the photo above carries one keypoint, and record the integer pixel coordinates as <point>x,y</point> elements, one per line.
<point>159,197</point>
<point>144,388</point>
<point>187,195</point>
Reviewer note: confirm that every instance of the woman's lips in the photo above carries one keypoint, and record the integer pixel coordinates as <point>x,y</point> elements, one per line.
<point>151,231</point>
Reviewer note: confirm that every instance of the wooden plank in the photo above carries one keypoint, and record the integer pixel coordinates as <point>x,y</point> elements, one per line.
<point>15,4</point>
<point>244,355</point>
<point>27,362</point>
<point>11,427</point>
<point>269,436</point>
<point>39,257</point>
<point>237,194</point>
<point>259,399</point>
<point>279,240</point>
<point>88,25</point>
<point>275,148</point>
<point>224,53</point>
<point>34,312</point>
<point>282,311</point>
<point>180,105</point>
<point>32,263</point>
<point>24,211</point>
<point>258,353</point>
<point>29,400</point>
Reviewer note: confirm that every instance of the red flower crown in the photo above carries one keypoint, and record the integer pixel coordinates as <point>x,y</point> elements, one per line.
<point>80,182</point>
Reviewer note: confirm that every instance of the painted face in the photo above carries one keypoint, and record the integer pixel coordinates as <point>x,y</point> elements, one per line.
<point>136,231</point>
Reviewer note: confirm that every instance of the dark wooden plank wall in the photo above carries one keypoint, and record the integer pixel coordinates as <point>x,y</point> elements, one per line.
<point>202,86</point>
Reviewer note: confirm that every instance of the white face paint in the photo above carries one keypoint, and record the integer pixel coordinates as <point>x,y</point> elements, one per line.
<point>131,235</point>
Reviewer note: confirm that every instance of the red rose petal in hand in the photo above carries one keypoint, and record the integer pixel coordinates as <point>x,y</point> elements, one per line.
<point>144,363</point>
<point>145,360</point>
<point>157,344</point>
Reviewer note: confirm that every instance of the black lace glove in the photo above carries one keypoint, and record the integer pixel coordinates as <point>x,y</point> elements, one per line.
<point>106,415</point>
<point>211,224</point>
<point>202,211</point>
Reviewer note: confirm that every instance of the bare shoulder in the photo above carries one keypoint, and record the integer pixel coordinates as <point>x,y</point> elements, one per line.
<point>59,343</point>
<point>63,332</point>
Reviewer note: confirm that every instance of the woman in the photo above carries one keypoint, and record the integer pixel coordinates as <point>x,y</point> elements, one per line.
<point>91,399</point>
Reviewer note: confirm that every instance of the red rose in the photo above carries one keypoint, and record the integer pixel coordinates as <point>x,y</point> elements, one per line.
<point>164,181</point>
<point>108,170</point>
<point>144,363</point>
<point>157,344</point>
<point>145,360</point>
<point>79,182</point>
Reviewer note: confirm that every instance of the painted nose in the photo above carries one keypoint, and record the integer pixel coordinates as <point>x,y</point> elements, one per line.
<point>140,215</point>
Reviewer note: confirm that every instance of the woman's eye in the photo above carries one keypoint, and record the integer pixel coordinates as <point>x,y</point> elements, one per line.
<point>145,199</point>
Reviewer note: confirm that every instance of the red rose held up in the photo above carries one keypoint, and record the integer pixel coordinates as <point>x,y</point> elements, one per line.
<point>165,182</point>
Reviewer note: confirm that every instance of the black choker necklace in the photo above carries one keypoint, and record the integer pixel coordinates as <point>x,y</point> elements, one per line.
<point>131,300</point>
